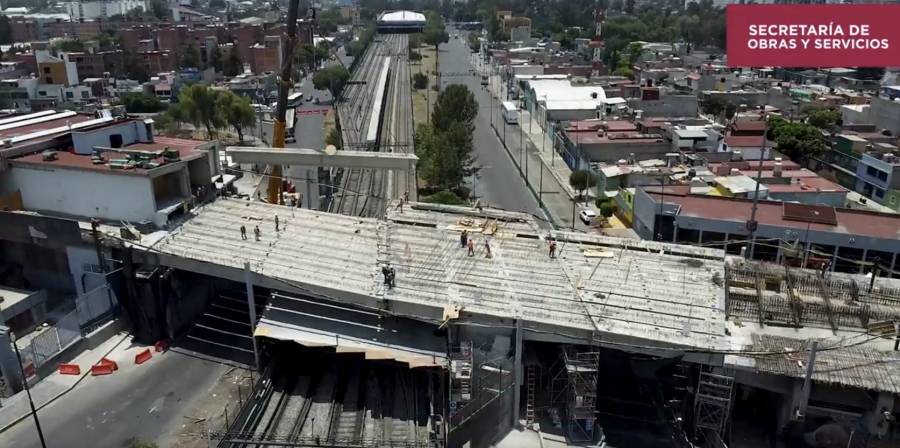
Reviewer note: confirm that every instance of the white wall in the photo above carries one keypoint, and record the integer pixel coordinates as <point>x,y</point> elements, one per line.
<point>84,142</point>
<point>85,193</point>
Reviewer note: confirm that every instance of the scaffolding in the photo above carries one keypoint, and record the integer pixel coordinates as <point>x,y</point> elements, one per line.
<point>574,391</point>
<point>461,366</point>
<point>712,403</point>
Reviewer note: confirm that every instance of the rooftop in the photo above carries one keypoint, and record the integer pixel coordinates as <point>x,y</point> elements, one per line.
<point>402,17</point>
<point>596,285</point>
<point>746,141</point>
<point>69,160</point>
<point>857,223</point>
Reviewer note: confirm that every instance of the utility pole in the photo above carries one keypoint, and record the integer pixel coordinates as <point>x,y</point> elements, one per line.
<point>752,224</point>
<point>37,423</point>
<point>284,84</point>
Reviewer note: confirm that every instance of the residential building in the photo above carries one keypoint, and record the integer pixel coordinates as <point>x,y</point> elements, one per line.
<point>102,9</point>
<point>848,239</point>
<point>878,175</point>
<point>266,57</point>
<point>72,29</point>
<point>581,143</point>
<point>53,70</point>
<point>884,113</point>
<point>117,171</point>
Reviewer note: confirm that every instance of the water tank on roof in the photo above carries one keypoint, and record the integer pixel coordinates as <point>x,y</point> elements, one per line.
<point>777,169</point>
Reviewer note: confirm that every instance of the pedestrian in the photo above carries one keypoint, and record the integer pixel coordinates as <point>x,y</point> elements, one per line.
<point>256,232</point>
<point>463,238</point>
<point>400,205</point>
<point>487,248</point>
<point>243,232</point>
<point>276,223</point>
<point>552,248</point>
<point>471,245</point>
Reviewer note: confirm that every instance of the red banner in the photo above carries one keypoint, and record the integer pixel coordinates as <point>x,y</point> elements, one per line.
<point>813,35</point>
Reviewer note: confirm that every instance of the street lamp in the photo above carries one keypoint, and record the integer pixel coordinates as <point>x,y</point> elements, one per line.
<point>37,422</point>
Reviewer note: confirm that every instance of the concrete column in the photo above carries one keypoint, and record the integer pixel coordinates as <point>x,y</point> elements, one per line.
<point>9,364</point>
<point>834,258</point>
<point>675,233</point>
<point>893,264</point>
<point>779,254</point>
<point>862,267</point>
<point>700,237</point>
<point>517,374</point>
<point>251,304</point>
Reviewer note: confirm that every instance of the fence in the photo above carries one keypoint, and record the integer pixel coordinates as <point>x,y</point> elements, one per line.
<point>49,342</point>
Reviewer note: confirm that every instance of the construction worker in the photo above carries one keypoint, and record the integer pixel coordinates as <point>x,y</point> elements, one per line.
<point>552,248</point>
<point>389,274</point>
<point>256,232</point>
<point>243,232</point>
<point>471,245</point>
<point>400,205</point>
<point>277,228</point>
<point>463,238</point>
<point>487,248</point>
<point>406,196</point>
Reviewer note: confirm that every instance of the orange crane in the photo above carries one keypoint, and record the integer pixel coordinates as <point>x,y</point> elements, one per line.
<point>284,84</point>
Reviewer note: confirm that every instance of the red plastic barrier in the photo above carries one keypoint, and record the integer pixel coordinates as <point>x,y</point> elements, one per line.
<point>161,346</point>
<point>102,369</point>
<point>143,356</point>
<point>108,362</point>
<point>69,369</point>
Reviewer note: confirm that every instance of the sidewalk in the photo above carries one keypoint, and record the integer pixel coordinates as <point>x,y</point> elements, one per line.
<point>16,408</point>
<point>547,175</point>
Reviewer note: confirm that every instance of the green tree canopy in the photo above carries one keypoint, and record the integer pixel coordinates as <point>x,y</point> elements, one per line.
<point>233,66</point>
<point>581,180</point>
<point>140,103</point>
<point>158,9</point>
<point>69,45</point>
<point>199,105</point>
<point>236,111</point>
<point>821,118</point>
<point>215,59</point>
<point>333,79</point>
<point>797,140</point>
<point>455,103</point>
<point>190,57</point>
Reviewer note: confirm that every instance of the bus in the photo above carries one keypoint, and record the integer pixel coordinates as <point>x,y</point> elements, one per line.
<point>295,99</point>
<point>509,112</point>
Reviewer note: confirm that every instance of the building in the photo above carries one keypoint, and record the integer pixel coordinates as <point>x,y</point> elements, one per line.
<point>581,143</point>
<point>266,57</point>
<point>117,171</point>
<point>849,239</point>
<point>555,98</point>
<point>53,70</point>
<point>102,9</point>
<point>878,176</point>
<point>401,21</point>
<point>884,113</point>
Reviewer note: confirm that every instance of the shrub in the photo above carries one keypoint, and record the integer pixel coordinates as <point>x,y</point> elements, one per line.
<point>420,81</point>
<point>446,197</point>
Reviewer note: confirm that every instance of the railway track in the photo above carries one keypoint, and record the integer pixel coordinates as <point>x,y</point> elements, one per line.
<point>365,192</point>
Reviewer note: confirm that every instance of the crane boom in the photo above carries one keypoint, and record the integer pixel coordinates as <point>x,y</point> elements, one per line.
<point>284,84</point>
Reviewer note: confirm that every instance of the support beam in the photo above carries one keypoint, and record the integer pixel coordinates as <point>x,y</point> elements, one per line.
<point>251,304</point>
<point>826,298</point>
<point>312,157</point>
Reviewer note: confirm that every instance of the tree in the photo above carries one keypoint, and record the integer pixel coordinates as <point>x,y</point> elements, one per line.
<point>445,158</point>
<point>217,4</point>
<point>190,57</point>
<point>455,103</point>
<point>215,59</point>
<point>333,138</point>
<point>581,180</point>
<point>826,119</point>
<point>795,139</point>
<point>158,9</point>
<point>332,79</point>
<point>606,210</point>
<point>199,105</point>
<point>354,48</point>
<point>233,65</point>
<point>140,103</point>
<point>446,197</point>
<point>69,45</point>
<point>420,81</point>
<point>714,105</point>
<point>134,67</point>
<point>435,36</point>
<point>474,42</point>
<point>236,111</point>
<point>415,56</point>
<point>6,36</point>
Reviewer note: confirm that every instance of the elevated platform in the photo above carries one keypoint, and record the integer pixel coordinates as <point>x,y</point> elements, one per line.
<point>621,293</point>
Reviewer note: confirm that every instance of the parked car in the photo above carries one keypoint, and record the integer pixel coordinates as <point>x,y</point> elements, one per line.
<point>587,215</point>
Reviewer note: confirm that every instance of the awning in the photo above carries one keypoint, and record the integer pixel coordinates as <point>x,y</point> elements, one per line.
<point>319,324</point>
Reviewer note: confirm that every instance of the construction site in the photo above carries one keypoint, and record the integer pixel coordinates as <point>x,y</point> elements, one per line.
<point>604,342</point>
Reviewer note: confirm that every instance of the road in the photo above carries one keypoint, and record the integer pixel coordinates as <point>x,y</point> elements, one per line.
<point>499,183</point>
<point>146,402</point>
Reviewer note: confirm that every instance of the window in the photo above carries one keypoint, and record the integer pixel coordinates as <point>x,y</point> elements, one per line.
<point>46,70</point>
<point>871,171</point>
<point>85,94</point>
<point>42,93</point>
<point>882,176</point>
<point>69,95</point>
<point>49,80</point>
<point>879,193</point>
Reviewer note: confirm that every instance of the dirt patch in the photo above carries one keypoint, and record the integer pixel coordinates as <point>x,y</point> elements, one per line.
<point>224,401</point>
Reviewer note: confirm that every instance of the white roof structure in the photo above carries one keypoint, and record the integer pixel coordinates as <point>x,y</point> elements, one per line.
<point>562,94</point>
<point>402,17</point>
<point>622,291</point>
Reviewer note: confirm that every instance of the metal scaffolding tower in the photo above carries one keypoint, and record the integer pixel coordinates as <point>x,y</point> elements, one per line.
<point>461,365</point>
<point>712,403</point>
<point>574,388</point>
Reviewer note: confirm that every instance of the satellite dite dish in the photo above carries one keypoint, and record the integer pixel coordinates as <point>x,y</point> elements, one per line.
<point>330,150</point>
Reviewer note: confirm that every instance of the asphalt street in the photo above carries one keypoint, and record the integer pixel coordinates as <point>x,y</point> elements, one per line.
<point>147,402</point>
<point>499,183</point>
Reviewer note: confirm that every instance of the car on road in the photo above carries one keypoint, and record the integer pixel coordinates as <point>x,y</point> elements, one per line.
<point>587,215</point>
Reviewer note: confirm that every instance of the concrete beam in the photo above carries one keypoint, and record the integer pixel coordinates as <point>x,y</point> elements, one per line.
<point>312,157</point>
